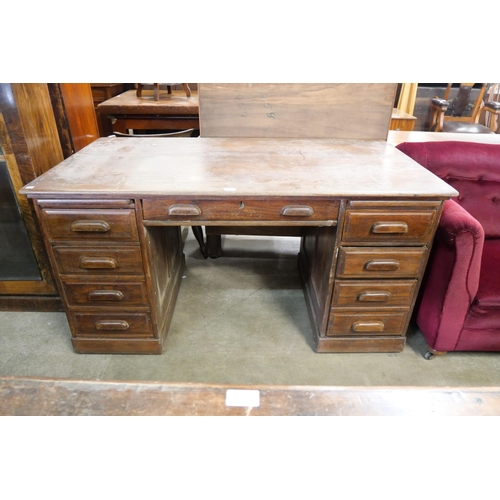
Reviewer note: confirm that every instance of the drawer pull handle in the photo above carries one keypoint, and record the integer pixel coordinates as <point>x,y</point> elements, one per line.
<point>390,228</point>
<point>112,324</point>
<point>368,326</point>
<point>297,211</point>
<point>105,295</point>
<point>382,265</point>
<point>92,226</point>
<point>98,263</point>
<point>184,210</point>
<point>374,296</point>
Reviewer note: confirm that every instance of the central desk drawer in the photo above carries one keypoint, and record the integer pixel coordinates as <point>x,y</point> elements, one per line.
<point>103,260</point>
<point>360,262</point>
<point>93,224</point>
<point>241,209</point>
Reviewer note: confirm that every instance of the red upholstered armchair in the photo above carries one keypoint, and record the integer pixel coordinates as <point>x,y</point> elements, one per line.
<point>458,308</point>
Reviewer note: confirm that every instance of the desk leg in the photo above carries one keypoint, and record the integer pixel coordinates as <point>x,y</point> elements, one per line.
<point>198,234</point>
<point>214,245</point>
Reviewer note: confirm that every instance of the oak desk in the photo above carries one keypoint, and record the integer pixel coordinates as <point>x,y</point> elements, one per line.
<point>172,112</point>
<point>111,217</point>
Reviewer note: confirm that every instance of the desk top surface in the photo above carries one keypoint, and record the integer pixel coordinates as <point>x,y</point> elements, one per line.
<point>183,166</point>
<point>169,104</point>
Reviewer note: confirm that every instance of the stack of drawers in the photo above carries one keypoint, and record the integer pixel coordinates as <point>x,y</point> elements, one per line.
<point>97,257</point>
<point>382,255</point>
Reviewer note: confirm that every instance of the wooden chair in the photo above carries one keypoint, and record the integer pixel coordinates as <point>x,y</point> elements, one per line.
<point>461,114</point>
<point>156,89</point>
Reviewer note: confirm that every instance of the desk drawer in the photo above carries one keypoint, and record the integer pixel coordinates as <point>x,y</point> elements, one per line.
<point>241,209</point>
<point>358,262</point>
<point>94,224</point>
<point>374,294</point>
<point>110,325</point>
<point>116,294</point>
<point>366,324</point>
<point>412,227</point>
<point>104,260</point>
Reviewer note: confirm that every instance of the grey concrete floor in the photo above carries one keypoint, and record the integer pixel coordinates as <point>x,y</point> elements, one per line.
<point>239,319</point>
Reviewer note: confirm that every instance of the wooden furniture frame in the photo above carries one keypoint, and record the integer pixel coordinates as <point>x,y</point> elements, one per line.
<point>129,112</point>
<point>111,217</point>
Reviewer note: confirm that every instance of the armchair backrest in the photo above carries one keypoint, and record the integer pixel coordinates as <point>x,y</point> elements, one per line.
<point>462,101</point>
<point>473,169</point>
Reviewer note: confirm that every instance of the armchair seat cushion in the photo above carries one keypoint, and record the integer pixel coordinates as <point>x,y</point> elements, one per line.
<point>467,128</point>
<point>488,294</point>
<point>484,313</point>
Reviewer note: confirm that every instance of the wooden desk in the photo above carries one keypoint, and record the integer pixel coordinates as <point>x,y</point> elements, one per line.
<point>111,217</point>
<point>172,112</point>
<point>401,120</point>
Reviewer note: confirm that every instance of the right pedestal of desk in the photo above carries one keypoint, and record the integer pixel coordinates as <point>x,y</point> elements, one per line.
<point>378,252</point>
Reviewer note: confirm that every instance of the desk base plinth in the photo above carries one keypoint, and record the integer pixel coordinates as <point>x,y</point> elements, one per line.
<point>360,344</point>
<point>117,346</point>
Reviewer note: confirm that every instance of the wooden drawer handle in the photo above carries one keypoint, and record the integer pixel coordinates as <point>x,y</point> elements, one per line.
<point>382,265</point>
<point>184,210</point>
<point>390,228</point>
<point>374,296</point>
<point>112,324</point>
<point>105,295</point>
<point>98,263</point>
<point>297,211</point>
<point>368,326</point>
<point>92,226</point>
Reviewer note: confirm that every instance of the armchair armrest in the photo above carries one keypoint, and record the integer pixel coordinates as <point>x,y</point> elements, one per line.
<point>438,109</point>
<point>493,108</point>
<point>452,277</point>
<point>442,104</point>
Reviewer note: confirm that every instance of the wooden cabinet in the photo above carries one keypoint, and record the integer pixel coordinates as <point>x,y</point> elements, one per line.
<point>74,114</point>
<point>29,147</point>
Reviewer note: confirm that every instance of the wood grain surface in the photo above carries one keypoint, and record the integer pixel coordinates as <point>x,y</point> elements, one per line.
<point>45,396</point>
<point>148,167</point>
<point>300,110</point>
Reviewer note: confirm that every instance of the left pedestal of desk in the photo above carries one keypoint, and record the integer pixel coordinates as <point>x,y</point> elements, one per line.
<point>118,279</point>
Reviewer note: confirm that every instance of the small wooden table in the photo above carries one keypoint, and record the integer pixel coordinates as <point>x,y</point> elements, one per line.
<point>171,112</point>
<point>401,120</point>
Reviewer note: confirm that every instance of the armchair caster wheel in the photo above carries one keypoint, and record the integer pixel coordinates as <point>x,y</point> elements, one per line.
<point>429,355</point>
